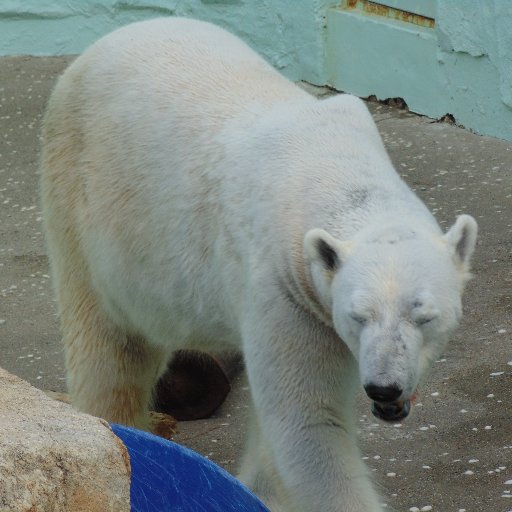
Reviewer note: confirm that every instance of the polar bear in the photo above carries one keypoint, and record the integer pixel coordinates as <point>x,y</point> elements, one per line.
<point>195,198</point>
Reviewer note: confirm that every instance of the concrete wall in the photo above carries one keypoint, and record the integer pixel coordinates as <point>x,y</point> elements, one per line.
<point>441,56</point>
<point>479,41</point>
<point>453,58</point>
<point>289,33</point>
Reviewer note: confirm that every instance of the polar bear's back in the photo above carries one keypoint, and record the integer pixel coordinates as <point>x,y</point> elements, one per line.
<point>157,93</point>
<point>189,58</point>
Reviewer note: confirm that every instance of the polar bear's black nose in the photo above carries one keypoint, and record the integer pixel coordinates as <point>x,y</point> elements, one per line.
<point>383,394</point>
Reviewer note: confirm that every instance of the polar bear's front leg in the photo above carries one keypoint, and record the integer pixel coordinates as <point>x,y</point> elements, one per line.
<point>303,381</point>
<point>110,373</point>
<point>258,470</point>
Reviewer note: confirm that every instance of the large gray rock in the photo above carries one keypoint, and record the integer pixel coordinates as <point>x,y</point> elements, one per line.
<point>55,459</point>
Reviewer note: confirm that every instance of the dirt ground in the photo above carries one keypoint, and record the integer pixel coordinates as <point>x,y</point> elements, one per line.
<point>454,452</point>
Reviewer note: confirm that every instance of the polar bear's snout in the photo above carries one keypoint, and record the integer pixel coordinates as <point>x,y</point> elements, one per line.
<point>389,365</point>
<point>394,411</point>
<point>386,402</point>
<point>384,394</point>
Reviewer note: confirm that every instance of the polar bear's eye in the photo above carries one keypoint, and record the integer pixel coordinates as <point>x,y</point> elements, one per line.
<point>424,320</point>
<point>423,311</point>
<point>361,320</point>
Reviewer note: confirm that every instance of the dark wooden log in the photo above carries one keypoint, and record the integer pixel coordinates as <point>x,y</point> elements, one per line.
<point>196,384</point>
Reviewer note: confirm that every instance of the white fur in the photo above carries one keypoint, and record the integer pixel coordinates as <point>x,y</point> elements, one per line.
<point>181,175</point>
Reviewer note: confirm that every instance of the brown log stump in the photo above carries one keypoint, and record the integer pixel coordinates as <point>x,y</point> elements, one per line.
<point>196,384</point>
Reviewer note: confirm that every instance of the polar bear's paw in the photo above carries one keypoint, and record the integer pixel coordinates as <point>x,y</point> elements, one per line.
<point>162,425</point>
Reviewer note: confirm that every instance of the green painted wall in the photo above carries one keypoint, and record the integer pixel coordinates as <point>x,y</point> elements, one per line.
<point>461,66</point>
<point>289,33</point>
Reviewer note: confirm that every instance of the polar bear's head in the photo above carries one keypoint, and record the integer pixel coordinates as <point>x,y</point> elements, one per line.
<point>395,298</point>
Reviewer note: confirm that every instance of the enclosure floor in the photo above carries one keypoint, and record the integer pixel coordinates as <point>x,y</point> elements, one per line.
<point>454,452</point>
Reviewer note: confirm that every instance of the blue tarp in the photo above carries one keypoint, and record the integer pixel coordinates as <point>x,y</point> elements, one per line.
<point>170,477</point>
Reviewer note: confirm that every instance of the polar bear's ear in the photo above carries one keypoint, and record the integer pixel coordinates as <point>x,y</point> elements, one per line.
<point>322,248</point>
<point>461,238</point>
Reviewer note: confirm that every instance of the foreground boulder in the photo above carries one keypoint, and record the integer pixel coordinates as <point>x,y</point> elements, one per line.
<point>53,458</point>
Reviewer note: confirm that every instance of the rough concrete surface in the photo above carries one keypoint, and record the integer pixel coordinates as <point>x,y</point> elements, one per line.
<point>454,452</point>
<point>54,459</point>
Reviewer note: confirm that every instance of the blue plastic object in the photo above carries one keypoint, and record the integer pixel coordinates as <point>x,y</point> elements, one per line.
<point>169,477</point>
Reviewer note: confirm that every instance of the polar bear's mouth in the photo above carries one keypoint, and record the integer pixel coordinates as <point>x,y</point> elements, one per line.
<point>391,411</point>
